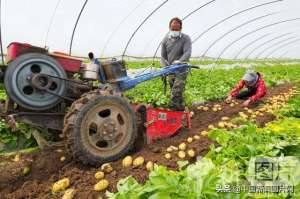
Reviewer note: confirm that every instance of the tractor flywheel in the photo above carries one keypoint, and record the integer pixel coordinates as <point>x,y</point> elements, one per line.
<point>28,81</point>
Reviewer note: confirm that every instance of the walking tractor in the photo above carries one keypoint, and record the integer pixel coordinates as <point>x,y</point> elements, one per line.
<point>56,92</point>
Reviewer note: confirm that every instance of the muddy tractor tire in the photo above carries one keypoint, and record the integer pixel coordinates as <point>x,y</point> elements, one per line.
<point>100,129</point>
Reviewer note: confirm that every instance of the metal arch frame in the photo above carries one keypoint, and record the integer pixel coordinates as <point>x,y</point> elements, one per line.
<point>235,14</point>
<point>266,42</point>
<point>254,31</point>
<point>281,46</point>
<point>184,18</point>
<point>235,28</point>
<point>75,26</point>
<point>287,51</point>
<point>119,25</point>
<point>51,22</point>
<point>274,45</point>
<point>128,42</point>
<point>250,44</point>
<point>225,19</point>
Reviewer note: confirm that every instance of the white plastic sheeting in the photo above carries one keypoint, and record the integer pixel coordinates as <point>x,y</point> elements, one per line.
<point>106,26</point>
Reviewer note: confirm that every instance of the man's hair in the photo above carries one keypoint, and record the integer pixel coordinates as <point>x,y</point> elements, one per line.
<point>91,55</point>
<point>177,20</point>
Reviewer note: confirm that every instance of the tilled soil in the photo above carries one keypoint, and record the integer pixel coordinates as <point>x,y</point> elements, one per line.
<point>46,167</point>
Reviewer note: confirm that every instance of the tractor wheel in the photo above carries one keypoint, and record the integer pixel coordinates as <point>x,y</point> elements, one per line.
<point>100,129</point>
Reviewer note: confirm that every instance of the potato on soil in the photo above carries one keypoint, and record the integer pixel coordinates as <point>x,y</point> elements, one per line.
<point>205,108</point>
<point>221,124</point>
<point>204,133</point>
<point>101,185</point>
<point>62,158</point>
<point>168,156</point>
<point>138,161</point>
<point>225,118</point>
<point>127,161</point>
<point>26,170</point>
<point>189,140</point>
<point>149,166</point>
<point>99,175</point>
<point>211,126</point>
<point>107,168</point>
<point>182,146</point>
<point>181,154</point>
<point>196,137</point>
<point>191,153</point>
<point>61,185</point>
<point>17,158</point>
<point>69,194</point>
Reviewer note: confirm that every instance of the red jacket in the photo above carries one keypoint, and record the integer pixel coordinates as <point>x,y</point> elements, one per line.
<point>260,92</point>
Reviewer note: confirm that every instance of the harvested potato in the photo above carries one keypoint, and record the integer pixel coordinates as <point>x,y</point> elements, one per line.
<point>101,185</point>
<point>182,146</point>
<point>174,148</point>
<point>189,140</point>
<point>192,114</point>
<point>219,108</point>
<point>221,124</point>
<point>168,156</point>
<point>181,154</point>
<point>107,168</point>
<point>61,185</point>
<point>59,150</point>
<point>69,194</point>
<point>149,166</point>
<point>205,108</point>
<point>204,133</point>
<point>169,149</point>
<point>196,137</point>
<point>191,153</point>
<point>215,109</point>
<point>225,118</point>
<point>127,161</point>
<point>231,104</point>
<point>211,126</point>
<point>26,170</point>
<point>138,161</point>
<point>17,158</point>
<point>200,107</point>
<point>62,158</point>
<point>99,175</point>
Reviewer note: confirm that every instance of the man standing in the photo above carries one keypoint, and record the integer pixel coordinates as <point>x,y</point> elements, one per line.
<point>176,48</point>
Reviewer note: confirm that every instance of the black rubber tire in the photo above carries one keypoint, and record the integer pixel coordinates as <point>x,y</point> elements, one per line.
<point>8,82</point>
<point>78,146</point>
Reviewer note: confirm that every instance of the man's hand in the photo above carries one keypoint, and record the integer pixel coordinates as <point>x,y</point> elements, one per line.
<point>228,99</point>
<point>176,62</point>
<point>247,103</point>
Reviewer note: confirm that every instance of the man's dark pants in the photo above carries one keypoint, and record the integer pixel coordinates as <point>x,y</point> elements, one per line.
<point>177,85</point>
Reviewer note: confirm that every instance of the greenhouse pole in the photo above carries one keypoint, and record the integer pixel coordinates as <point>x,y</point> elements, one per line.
<point>163,3</point>
<point>235,28</point>
<point>266,42</point>
<point>250,44</point>
<point>75,26</point>
<point>277,43</point>
<point>254,31</point>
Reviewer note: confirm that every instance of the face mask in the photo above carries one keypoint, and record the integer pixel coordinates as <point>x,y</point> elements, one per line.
<point>173,34</point>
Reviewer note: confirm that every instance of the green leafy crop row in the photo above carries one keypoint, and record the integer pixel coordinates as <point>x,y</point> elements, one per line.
<point>204,85</point>
<point>227,163</point>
